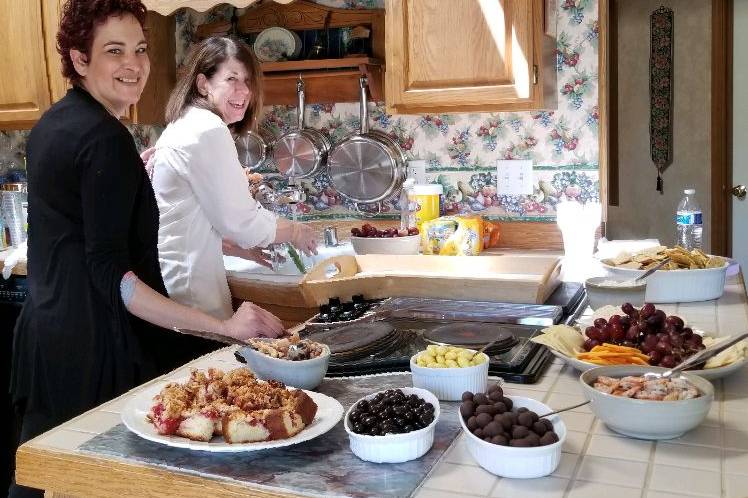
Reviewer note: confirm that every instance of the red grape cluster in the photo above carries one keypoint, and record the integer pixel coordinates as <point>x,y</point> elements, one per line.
<point>367,230</point>
<point>665,339</point>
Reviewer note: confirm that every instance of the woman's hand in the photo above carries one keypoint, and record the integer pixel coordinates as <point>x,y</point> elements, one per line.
<point>304,238</point>
<point>256,254</point>
<point>252,321</point>
<point>298,234</point>
<point>146,154</point>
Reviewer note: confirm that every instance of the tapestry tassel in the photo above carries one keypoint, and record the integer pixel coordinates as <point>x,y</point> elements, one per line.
<point>660,188</point>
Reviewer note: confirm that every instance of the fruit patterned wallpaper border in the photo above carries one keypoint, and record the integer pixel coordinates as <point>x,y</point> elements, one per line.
<point>461,149</point>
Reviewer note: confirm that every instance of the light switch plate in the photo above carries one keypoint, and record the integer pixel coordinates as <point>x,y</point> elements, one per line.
<point>514,177</point>
<point>417,169</point>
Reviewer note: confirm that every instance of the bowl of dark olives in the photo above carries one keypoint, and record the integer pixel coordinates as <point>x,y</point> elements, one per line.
<point>508,435</point>
<point>392,426</point>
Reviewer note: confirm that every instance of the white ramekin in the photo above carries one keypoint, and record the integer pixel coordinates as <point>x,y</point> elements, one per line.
<point>510,461</point>
<point>448,384</point>
<point>394,448</point>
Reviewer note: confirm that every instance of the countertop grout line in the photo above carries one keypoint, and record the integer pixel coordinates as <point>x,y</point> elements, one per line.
<point>456,494</point>
<point>650,470</point>
<point>580,460</point>
<point>722,452</point>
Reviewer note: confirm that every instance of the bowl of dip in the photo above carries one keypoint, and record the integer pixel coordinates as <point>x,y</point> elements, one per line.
<point>603,291</point>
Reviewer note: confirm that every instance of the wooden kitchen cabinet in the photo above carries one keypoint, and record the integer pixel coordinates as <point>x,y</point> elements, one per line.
<point>469,55</point>
<point>24,88</point>
<point>31,67</point>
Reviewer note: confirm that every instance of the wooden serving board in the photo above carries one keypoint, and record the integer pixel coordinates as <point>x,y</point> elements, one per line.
<point>526,279</point>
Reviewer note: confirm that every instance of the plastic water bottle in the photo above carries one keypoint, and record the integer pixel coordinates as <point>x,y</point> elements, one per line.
<point>688,221</point>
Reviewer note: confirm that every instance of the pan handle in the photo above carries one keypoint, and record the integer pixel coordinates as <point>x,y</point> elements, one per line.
<point>300,102</point>
<point>366,214</point>
<point>364,111</point>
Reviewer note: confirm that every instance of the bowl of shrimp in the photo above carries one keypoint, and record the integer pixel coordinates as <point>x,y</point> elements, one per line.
<point>647,408</point>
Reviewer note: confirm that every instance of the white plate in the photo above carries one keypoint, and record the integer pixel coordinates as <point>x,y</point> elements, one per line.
<point>709,373</point>
<point>329,413</point>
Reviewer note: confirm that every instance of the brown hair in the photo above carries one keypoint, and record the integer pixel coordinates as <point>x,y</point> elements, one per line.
<point>78,24</point>
<point>205,59</point>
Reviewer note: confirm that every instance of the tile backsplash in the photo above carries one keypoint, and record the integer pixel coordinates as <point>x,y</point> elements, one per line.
<point>461,150</point>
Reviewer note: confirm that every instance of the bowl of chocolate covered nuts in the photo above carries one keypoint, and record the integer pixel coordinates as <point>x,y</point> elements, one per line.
<point>392,426</point>
<point>508,435</point>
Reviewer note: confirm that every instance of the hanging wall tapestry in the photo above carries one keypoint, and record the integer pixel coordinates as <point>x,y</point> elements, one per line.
<point>661,90</point>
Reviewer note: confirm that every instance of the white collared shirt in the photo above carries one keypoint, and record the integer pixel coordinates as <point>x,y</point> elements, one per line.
<point>203,197</point>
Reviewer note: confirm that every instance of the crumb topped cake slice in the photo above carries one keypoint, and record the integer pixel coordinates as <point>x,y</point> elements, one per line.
<point>233,404</point>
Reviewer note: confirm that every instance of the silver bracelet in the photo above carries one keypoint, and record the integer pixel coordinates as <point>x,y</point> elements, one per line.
<point>127,287</point>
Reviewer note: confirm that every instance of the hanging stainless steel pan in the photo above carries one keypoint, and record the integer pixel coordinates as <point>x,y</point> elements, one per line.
<point>369,166</point>
<point>254,148</point>
<point>302,152</point>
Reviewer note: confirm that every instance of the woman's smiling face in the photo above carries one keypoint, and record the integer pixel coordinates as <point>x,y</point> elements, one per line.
<point>227,90</point>
<point>117,67</point>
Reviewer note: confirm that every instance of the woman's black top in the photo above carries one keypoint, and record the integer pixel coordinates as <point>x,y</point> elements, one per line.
<point>92,218</point>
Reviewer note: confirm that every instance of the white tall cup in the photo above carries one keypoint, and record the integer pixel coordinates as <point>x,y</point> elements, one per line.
<point>578,223</point>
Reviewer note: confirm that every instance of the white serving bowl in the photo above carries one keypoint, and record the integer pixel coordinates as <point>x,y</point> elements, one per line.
<point>302,374</point>
<point>448,384</point>
<point>394,448</point>
<point>602,295</point>
<point>677,286</point>
<point>410,244</point>
<point>646,419</point>
<point>521,463</point>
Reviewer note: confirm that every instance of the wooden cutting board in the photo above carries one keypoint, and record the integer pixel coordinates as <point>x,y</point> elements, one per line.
<point>502,278</point>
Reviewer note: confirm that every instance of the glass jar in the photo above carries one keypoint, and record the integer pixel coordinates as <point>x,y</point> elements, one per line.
<point>12,198</point>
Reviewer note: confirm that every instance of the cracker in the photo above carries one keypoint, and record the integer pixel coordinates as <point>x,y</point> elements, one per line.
<point>633,265</point>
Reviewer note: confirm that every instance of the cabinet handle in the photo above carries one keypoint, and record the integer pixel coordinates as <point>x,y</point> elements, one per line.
<point>534,74</point>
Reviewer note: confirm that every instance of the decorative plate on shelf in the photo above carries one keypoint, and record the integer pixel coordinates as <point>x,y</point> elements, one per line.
<point>329,413</point>
<point>275,44</point>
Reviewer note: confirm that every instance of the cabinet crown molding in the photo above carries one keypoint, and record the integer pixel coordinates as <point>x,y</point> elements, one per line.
<point>166,7</point>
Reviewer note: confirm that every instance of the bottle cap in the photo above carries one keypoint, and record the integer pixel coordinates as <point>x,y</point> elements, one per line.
<point>689,191</point>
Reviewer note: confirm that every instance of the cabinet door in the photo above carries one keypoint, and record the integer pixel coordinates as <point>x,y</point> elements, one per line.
<point>462,55</point>
<point>24,90</point>
<point>58,86</point>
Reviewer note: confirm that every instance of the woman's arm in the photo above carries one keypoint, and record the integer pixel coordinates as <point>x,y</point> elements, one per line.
<point>256,254</point>
<point>248,321</point>
<point>110,172</point>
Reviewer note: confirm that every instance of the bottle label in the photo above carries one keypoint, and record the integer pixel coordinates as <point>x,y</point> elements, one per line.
<point>688,218</point>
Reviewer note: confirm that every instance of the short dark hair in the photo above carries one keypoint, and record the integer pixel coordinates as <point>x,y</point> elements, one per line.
<point>205,59</point>
<point>78,24</point>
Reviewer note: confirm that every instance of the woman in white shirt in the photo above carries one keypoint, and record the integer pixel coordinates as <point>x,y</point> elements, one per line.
<point>200,186</point>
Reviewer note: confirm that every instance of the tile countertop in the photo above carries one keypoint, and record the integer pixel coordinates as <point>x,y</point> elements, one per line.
<point>711,460</point>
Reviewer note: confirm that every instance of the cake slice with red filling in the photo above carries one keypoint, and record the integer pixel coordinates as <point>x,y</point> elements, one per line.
<point>235,405</point>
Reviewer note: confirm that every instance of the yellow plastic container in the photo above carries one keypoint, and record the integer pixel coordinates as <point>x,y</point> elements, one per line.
<point>424,203</point>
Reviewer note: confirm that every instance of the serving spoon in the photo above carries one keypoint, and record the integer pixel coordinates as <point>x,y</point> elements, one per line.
<point>697,358</point>
<point>651,270</point>
<point>565,409</point>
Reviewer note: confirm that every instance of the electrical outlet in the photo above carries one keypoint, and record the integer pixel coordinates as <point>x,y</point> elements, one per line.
<point>514,177</point>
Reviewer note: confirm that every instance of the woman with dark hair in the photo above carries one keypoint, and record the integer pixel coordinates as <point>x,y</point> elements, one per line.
<point>97,321</point>
<point>200,187</point>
